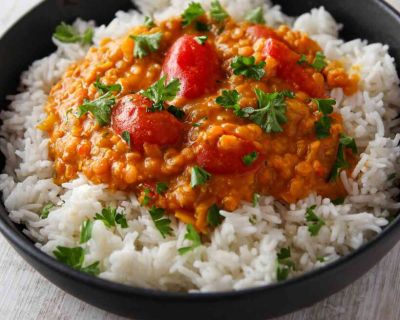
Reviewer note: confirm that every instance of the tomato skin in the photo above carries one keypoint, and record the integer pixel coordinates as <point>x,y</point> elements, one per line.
<point>217,161</point>
<point>160,127</point>
<point>256,32</point>
<point>195,65</point>
<point>290,70</point>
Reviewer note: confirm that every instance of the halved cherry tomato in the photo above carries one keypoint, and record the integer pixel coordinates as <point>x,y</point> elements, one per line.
<point>290,70</point>
<point>160,127</point>
<point>257,32</point>
<point>195,65</point>
<point>217,161</point>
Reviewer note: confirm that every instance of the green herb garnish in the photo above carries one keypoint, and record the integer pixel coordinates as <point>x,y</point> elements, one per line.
<point>214,218</point>
<point>74,257</point>
<point>192,12</point>
<point>201,39</point>
<point>111,218</point>
<point>145,44</point>
<point>161,187</point>
<point>323,125</point>
<point>319,62</point>
<point>86,231</point>
<point>338,201</point>
<point>99,108</point>
<point>285,264</point>
<point>126,136</point>
<point>147,198</point>
<point>178,113</point>
<point>217,12</point>
<point>229,99</point>
<point>246,66</point>
<point>314,222</point>
<point>256,16</point>
<point>44,213</point>
<point>68,34</point>
<point>199,176</point>
<point>321,259</point>
<point>199,123</point>
<point>256,199</point>
<point>348,142</point>
<point>192,235</point>
<point>162,224</point>
<point>340,162</point>
<point>201,26</point>
<point>149,22</point>
<point>102,88</point>
<point>159,93</point>
<point>248,159</point>
<point>303,59</point>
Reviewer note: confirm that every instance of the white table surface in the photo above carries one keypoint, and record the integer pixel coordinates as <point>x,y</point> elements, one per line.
<point>24,294</point>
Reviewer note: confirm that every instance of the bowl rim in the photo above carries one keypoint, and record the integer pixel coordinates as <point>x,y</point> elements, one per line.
<point>27,246</point>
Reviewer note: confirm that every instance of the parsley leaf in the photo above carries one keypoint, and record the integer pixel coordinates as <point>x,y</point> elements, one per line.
<point>100,108</point>
<point>102,88</point>
<point>201,39</point>
<point>246,66</point>
<point>271,110</point>
<point>214,218</point>
<point>217,12</point>
<point>338,201</point>
<point>147,198</point>
<point>303,60</point>
<point>145,44</point>
<point>161,187</point>
<point>162,224</point>
<point>110,218</point>
<point>159,93</point>
<point>199,176</point>
<point>201,26</point>
<point>68,34</point>
<point>340,162</point>
<point>192,235</point>
<point>248,159</point>
<point>74,258</point>
<point>285,264</point>
<point>178,113</point>
<point>256,199</point>
<point>199,123</point>
<point>319,62</point>
<point>348,142</point>
<point>149,22</point>
<point>44,213</point>
<point>86,231</point>
<point>256,16</point>
<point>323,125</point>
<point>230,100</point>
<point>126,136</point>
<point>315,223</point>
<point>192,12</point>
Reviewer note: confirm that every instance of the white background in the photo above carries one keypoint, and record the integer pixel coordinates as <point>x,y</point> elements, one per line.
<point>24,294</point>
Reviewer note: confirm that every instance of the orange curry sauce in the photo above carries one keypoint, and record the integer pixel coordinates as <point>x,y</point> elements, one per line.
<point>291,164</point>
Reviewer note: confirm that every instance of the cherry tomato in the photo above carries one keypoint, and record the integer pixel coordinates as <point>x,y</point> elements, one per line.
<point>290,70</point>
<point>217,161</point>
<point>195,65</point>
<point>257,32</point>
<point>160,127</point>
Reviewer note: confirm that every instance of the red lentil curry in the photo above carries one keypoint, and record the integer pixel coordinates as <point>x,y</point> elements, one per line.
<point>198,113</point>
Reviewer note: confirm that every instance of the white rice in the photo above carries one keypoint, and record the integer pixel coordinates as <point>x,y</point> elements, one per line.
<point>240,254</point>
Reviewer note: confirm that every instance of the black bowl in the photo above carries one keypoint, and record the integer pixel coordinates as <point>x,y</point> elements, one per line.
<point>30,39</point>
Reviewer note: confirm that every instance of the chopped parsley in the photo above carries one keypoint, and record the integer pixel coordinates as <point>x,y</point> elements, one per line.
<point>178,113</point>
<point>246,66</point>
<point>68,34</point>
<point>321,259</point>
<point>217,12</point>
<point>160,92</point>
<point>199,123</point>
<point>256,199</point>
<point>44,213</point>
<point>323,125</point>
<point>314,222</point>
<point>214,218</point>
<point>161,187</point>
<point>201,39</point>
<point>340,162</point>
<point>318,63</point>
<point>103,88</point>
<point>111,218</point>
<point>338,201</point>
<point>162,224</point>
<point>256,16</point>
<point>199,176</point>
<point>99,108</point>
<point>201,26</point>
<point>192,12</point>
<point>149,22</point>
<point>146,198</point>
<point>303,59</point>
<point>249,159</point>
<point>145,44</point>
<point>271,112</point>
<point>86,231</point>
<point>285,264</point>
<point>229,99</point>
<point>191,235</point>
<point>126,136</point>
<point>74,258</point>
